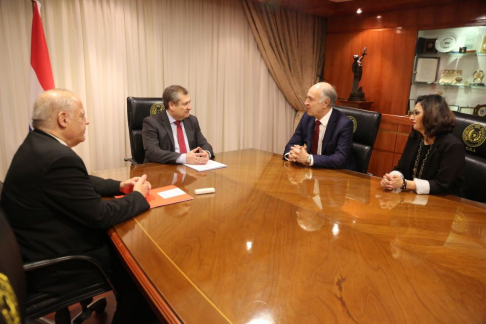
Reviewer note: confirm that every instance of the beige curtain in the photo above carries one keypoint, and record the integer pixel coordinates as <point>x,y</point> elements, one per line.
<point>106,50</point>
<point>292,46</point>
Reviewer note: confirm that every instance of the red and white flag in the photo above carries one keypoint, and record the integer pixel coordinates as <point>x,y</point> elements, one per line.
<point>41,78</point>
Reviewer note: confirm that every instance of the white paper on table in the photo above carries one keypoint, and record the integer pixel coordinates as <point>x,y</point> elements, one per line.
<point>211,165</point>
<point>171,193</point>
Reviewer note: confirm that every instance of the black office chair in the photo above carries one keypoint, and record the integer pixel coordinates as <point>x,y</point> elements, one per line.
<point>471,130</point>
<point>137,110</point>
<point>40,304</point>
<point>30,305</point>
<point>366,124</point>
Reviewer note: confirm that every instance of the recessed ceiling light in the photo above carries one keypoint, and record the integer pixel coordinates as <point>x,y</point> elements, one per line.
<point>379,17</point>
<point>359,11</point>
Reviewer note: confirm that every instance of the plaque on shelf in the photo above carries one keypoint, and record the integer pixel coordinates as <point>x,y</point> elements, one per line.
<point>450,76</point>
<point>467,110</point>
<point>429,46</point>
<point>426,69</point>
<point>480,110</point>
<point>454,107</point>
<point>470,41</point>
<point>445,43</point>
<point>426,46</point>
<point>482,49</point>
<point>478,76</point>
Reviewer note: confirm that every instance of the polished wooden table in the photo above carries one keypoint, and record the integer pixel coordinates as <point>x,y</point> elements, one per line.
<point>279,243</point>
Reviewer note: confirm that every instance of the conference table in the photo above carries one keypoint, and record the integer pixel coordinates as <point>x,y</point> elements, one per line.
<point>283,243</point>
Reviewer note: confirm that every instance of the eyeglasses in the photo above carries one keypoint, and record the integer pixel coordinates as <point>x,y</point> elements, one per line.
<point>413,112</point>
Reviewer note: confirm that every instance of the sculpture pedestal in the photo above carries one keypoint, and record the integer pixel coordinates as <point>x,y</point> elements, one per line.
<point>366,105</point>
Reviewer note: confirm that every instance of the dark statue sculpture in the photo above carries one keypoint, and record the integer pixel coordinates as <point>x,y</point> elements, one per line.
<point>357,94</point>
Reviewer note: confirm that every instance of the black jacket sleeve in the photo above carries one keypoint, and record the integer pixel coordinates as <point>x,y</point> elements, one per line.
<point>71,191</point>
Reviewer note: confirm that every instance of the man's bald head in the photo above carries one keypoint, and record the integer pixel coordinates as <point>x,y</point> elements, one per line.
<point>327,91</point>
<point>49,104</point>
<point>61,114</point>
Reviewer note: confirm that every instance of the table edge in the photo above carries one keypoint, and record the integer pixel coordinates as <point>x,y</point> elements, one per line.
<point>146,286</point>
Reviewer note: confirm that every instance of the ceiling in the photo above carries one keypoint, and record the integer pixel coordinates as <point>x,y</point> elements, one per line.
<point>328,8</point>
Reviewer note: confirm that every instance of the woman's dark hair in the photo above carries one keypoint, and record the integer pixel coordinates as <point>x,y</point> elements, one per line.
<point>437,117</point>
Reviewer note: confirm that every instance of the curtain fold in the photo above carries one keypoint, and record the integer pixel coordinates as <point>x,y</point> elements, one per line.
<point>292,46</point>
<point>107,50</point>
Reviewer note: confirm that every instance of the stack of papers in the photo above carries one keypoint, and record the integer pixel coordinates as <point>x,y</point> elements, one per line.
<point>211,165</point>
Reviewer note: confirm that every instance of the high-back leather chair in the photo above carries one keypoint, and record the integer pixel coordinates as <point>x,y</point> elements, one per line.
<point>366,124</point>
<point>22,304</point>
<point>471,130</point>
<point>137,109</point>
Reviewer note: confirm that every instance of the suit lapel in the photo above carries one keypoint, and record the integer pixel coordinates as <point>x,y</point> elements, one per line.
<point>166,124</point>
<point>329,129</point>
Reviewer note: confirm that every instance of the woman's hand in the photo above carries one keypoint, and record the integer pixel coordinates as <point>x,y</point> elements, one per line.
<point>391,181</point>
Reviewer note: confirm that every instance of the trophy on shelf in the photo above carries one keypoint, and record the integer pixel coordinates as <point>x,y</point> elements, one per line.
<point>478,76</point>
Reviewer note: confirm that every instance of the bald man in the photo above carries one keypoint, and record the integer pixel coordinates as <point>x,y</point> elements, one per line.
<point>324,136</point>
<point>55,207</point>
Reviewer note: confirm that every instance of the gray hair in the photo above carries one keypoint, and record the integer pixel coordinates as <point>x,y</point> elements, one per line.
<point>48,105</point>
<point>172,94</point>
<point>328,93</point>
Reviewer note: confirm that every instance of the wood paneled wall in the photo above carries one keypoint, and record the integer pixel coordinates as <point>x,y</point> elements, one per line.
<point>387,69</point>
<point>390,142</point>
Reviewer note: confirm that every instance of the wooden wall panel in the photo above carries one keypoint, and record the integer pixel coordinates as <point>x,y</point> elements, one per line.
<point>390,141</point>
<point>400,142</point>
<point>381,162</point>
<point>387,69</point>
<point>386,138</point>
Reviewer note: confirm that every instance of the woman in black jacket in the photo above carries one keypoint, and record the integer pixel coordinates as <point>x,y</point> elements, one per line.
<point>433,159</point>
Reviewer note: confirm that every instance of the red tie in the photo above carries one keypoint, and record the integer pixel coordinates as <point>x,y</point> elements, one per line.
<point>180,138</point>
<point>315,138</point>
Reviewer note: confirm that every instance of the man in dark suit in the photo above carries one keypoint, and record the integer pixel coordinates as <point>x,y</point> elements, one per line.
<point>324,136</point>
<point>174,136</point>
<point>55,207</point>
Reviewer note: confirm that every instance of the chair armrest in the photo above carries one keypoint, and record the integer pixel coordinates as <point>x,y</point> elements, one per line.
<point>31,266</point>
<point>131,160</point>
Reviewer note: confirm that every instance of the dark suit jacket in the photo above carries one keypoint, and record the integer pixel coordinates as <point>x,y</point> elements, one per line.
<point>337,145</point>
<point>158,140</point>
<point>55,207</point>
<point>444,168</point>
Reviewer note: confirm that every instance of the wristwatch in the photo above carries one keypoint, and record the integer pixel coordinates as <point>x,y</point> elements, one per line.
<point>404,185</point>
<point>309,159</point>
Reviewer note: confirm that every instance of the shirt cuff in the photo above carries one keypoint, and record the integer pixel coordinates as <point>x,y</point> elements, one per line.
<point>209,153</point>
<point>311,160</point>
<point>422,186</point>
<point>181,159</point>
<point>286,156</point>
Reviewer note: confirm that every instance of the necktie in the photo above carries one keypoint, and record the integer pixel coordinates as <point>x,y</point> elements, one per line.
<point>315,138</point>
<point>180,138</point>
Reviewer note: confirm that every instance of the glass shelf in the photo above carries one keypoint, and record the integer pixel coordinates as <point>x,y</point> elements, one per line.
<point>450,54</point>
<point>451,85</point>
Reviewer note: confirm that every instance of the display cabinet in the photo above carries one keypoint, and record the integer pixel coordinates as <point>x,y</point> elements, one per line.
<point>452,62</point>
